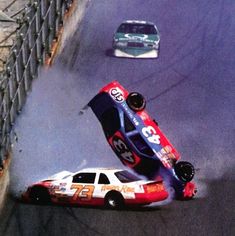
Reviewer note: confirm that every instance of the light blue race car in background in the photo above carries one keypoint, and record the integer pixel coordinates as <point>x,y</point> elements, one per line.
<point>136,39</point>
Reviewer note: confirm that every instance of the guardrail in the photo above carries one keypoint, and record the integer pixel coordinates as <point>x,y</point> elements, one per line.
<point>37,31</point>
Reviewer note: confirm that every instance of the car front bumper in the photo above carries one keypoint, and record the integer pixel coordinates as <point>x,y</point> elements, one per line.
<point>135,53</point>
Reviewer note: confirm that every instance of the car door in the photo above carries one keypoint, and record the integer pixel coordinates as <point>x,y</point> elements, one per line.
<point>103,185</point>
<point>82,187</point>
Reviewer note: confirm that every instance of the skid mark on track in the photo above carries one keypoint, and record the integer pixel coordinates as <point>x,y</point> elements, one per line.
<point>8,218</point>
<point>183,80</point>
<point>45,222</point>
<point>192,52</point>
<point>203,51</point>
<point>188,36</point>
<point>85,227</point>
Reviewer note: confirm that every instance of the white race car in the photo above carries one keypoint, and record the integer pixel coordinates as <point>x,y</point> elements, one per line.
<point>113,188</point>
<point>136,39</point>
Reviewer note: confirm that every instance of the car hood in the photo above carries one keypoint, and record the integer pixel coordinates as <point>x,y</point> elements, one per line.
<point>137,37</point>
<point>58,176</point>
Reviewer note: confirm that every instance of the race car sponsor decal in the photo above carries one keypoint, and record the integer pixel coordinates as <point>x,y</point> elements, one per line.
<point>124,189</point>
<point>135,121</point>
<point>122,150</point>
<point>136,37</point>
<point>144,116</point>
<point>62,187</point>
<point>130,114</point>
<point>154,188</point>
<point>53,189</point>
<point>166,156</point>
<point>167,151</point>
<point>57,189</point>
<point>150,133</point>
<point>83,192</point>
<point>117,94</point>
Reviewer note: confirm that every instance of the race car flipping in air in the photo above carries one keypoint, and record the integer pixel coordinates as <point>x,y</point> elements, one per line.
<point>138,141</point>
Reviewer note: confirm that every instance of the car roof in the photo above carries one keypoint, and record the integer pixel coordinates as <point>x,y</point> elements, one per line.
<point>138,22</point>
<point>101,169</point>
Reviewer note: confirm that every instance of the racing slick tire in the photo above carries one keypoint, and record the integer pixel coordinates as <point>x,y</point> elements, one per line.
<point>39,195</point>
<point>136,101</point>
<point>114,200</point>
<point>184,170</point>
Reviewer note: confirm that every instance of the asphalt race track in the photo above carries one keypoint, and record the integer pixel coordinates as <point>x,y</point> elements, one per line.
<point>190,91</point>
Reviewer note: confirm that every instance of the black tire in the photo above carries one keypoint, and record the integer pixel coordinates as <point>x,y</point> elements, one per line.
<point>136,101</point>
<point>184,170</point>
<point>39,195</point>
<point>114,200</point>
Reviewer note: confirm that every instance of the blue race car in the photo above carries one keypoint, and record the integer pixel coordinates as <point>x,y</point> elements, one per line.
<point>138,141</point>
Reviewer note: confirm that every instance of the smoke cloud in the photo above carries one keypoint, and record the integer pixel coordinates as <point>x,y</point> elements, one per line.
<point>51,134</point>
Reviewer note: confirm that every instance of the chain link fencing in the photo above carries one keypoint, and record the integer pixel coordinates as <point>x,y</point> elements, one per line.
<point>38,27</point>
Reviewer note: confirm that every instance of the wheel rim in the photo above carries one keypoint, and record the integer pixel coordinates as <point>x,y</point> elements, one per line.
<point>112,202</point>
<point>37,198</point>
<point>185,171</point>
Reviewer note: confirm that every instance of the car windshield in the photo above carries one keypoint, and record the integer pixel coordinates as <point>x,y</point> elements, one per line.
<point>126,177</point>
<point>128,124</point>
<point>126,28</point>
<point>65,177</point>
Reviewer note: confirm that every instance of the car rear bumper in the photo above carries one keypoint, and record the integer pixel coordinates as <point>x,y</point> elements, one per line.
<point>147,198</point>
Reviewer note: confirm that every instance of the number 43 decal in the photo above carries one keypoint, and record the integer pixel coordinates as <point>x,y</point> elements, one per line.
<point>150,133</point>
<point>123,150</point>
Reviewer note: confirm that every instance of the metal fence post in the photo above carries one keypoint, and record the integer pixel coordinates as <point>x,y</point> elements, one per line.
<point>39,26</point>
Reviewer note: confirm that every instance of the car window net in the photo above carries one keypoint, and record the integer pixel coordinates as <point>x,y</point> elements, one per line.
<point>128,124</point>
<point>103,179</point>
<point>141,145</point>
<point>110,121</point>
<point>84,178</point>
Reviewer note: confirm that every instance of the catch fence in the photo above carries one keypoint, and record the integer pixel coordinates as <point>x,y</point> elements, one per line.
<point>38,27</point>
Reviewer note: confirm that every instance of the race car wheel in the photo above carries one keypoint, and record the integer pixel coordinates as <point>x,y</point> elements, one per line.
<point>184,171</point>
<point>114,200</point>
<point>136,101</point>
<point>39,195</point>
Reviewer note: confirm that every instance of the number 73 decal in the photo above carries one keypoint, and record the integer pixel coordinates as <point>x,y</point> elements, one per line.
<point>83,192</point>
<point>150,133</point>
